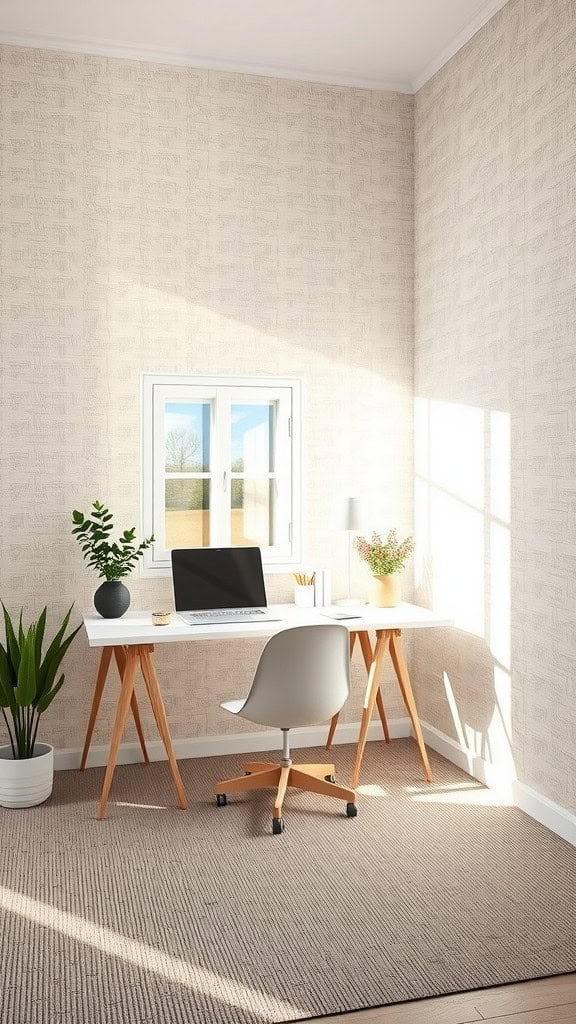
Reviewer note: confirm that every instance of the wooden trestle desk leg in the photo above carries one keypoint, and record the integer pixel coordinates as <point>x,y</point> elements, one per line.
<point>120,655</point>
<point>389,640</point>
<point>126,691</point>
<point>105,659</point>
<point>374,677</point>
<point>151,681</point>
<point>367,653</point>
<point>406,690</point>
<point>133,656</point>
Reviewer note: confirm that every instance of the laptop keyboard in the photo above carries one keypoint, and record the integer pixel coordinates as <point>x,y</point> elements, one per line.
<point>217,613</point>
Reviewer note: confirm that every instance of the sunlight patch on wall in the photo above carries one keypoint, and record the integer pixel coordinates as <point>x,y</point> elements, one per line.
<point>462,463</point>
<point>449,498</point>
<point>454,709</point>
<point>500,455</point>
<point>499,606</point>
<point>456,451</point>
<point>473,740</point>
<point>463,565</point>
<point>500,498</point>
<point>457,535</point>
<point>500,730</point>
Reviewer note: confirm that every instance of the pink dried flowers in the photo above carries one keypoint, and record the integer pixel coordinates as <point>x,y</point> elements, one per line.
<point>384,557</point>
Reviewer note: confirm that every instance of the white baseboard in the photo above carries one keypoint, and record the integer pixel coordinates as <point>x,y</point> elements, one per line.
<point>453,751</point>
<point>236,743</point>
<point>556,818</point>
<point>559,820</point>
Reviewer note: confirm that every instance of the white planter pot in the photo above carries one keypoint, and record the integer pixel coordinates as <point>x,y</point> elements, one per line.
<point>27,782</point>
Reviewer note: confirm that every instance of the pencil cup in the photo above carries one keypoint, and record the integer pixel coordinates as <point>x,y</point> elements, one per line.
<point>304,595</point>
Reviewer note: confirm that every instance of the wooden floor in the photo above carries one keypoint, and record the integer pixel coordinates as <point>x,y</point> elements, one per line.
<point>548,1001</point>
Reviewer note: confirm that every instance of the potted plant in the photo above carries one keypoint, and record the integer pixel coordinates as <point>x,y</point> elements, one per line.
<point>28,685</point>
<point>112,561</point>
<point>386,558</point>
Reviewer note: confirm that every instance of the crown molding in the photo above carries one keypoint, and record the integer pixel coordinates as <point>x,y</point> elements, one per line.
<point>106,48</point>
<point>100,48</point>
<point>481,18</point>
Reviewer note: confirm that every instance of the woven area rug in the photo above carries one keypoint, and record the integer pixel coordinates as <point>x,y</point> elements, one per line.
<point>161,915</point>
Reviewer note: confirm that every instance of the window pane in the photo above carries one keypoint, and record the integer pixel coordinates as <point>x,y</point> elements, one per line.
<point>187,513</point>
<point>252,438</point>
<point>252,512</point>
<point>187,433</point>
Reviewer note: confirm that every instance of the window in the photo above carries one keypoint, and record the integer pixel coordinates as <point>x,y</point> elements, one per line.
<point>221,466</point>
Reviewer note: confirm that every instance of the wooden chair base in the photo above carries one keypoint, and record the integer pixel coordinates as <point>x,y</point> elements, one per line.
<point>314,778</point>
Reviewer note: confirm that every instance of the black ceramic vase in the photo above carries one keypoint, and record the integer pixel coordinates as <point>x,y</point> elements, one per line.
<point>112,599</point>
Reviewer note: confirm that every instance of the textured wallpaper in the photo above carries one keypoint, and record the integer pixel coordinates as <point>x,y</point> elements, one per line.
<point>165,219</point>
<point>495,387</point>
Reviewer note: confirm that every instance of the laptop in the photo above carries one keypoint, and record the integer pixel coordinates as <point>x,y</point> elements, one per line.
<point>218,585</point>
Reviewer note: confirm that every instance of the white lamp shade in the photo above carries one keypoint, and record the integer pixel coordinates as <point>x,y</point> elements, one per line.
<point>346,514</point>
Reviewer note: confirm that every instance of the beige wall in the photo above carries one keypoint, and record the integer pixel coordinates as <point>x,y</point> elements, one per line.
<point>166,219</point>
<point>495,383</point>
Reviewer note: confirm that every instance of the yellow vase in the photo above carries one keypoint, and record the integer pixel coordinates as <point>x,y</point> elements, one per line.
<point>385,590</point>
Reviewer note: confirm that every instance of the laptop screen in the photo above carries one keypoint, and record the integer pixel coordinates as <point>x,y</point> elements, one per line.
<point>217,578</point>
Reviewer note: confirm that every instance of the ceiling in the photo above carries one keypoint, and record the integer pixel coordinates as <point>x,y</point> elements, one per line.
<point>377,44</point>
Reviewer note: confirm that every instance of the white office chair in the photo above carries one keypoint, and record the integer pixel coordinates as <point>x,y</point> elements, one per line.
<point>302,678</point>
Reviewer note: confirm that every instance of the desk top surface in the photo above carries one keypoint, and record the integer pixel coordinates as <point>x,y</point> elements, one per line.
<point>135,627</point>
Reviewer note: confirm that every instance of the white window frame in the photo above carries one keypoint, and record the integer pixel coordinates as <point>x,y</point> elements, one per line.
<point>221,392</point>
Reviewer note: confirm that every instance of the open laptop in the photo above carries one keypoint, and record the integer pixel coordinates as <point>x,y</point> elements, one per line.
<point>216,585</point>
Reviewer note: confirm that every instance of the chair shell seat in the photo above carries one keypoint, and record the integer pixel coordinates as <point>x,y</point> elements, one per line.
<point>234,706</point>
<point>302,678</point>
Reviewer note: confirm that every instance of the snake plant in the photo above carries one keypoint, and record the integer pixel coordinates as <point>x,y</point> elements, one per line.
<point>28,682</point>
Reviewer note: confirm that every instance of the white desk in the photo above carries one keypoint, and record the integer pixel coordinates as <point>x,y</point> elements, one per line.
<point>131,639</point>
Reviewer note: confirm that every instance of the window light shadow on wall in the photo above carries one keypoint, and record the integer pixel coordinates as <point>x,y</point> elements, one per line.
<point>462,523</point>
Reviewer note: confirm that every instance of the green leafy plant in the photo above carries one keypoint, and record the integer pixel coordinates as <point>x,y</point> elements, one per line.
<point>110,560</point>
<point>28,681</point>
<point>384,557</point>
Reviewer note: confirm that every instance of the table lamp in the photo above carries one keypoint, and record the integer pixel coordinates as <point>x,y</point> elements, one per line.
<point>347,516</point>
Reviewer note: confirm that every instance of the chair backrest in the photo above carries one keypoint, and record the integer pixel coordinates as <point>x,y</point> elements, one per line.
<point>302,678</point>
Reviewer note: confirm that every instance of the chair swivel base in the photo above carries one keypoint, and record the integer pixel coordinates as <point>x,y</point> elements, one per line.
<point>314,778</point>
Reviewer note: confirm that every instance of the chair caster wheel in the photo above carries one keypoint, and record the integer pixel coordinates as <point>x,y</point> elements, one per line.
<point>351,810</point>
<point>221,800</point>
<point>330,778</point>
<point>277,826</point>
